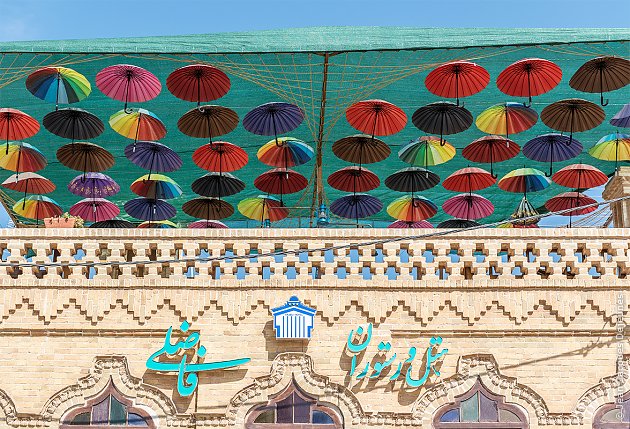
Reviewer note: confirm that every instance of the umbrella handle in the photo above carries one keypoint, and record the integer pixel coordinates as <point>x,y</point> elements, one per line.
<point>601,101</point>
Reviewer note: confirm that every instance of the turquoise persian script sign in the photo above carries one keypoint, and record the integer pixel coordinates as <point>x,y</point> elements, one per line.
<point>187,378</point>
<point>384,348</point>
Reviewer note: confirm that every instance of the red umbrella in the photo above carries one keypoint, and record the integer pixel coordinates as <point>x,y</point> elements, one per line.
<point>529,77</point>
<point>29,182</point>
<point>569,200</point>
<point>210,224</point>
<point>128,83</point>
<point>198,82</point>
<point>469,179</point>
<point>95,209</point>
<point>457,79</point>
<point>376,117</point>
<point>491,149</point>
<point>580,176</point>
<point>220,157</point>
<point>468,206</point>
<point>354,179</point>
<point>16,125</point>
<point>281,181</point>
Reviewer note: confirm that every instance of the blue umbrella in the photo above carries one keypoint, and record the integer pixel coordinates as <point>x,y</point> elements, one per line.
<point>551,148</point>
<point>271,119</point>
<point>149,209</point>
<point>356,206</point>
<point>622,118</point>
<point>153,156</point>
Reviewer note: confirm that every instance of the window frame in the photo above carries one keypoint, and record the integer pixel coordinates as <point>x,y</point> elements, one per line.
<point>605,408</point>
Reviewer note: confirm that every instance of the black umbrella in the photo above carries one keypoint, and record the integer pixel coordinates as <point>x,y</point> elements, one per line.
<point>113,223</point>
<point>412,179</point>
<point>458,223</point>
<point>208,208</point>
<point>442,118</point>
<point>72,123</point>
<point>217,185</point>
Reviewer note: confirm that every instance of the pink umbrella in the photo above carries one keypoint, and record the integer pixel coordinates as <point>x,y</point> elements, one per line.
<point>406,224</point>
<point>468,206</point>
<point>128,83</point>
<point>95,209</point>
<point>211,224</point>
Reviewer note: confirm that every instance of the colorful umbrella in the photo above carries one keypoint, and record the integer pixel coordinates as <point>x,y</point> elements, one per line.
<point>128,83</point>
<point>529,77</point>
<point>288,152</point>
<point>210,224</point>
<point>622,118</point>
<point>95,209</point>
<point>208,122</point>
<point>376,117</point>
<point>612,147</point>
<point>37,207</point>
<point>469,179</point>
<point>22,157</point>
<point>524,180</point>
<point>58,85</point>
<point>354,179</point>
<point>524,210</point>
<point>361,149</point>
<point>149,209</point>
<point>16,125</point>
<point>412,179</point>
<point>73,123</point>
<point>208,208</point>
<point>160,224</point>
<point>217,185</point>
<point>93,185</point>
<point>84,156</point>
<point>426,151</point>
<point>442,118</point>
<point>602,74</point>
<point>580,176</point>
<point>29,182</point>
<point>491,149</point>
<point>271,119</point>
<point>137,124</point>
<point>405,224</point>
<point>220,157</point>
<point>412,209</point>
<point>572,115</point>
<point>153,156</point>
<point>112,223</point>
<point>156,187</point>
<point>457,79</point>
<point>458,223</point>
<point>356,206</point>
<point>468,206</point>
<point>263,208</point>
<point>552,147</point>
<point>198,82</point>
<point>506,118</point>
<point>281,181</point>
<point>570,200</point>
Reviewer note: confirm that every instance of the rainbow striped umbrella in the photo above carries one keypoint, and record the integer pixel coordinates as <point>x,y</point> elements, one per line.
<point>22,157</point>
<point>157,186</point>
<point>506,118</point>
<point>412,209</point>
<point>37,207</point>
<point>524,180</point>
<point>612,147</point>
<point>59,85</point>
<point>288,152</point>
<point>137,124</point>
<point>263,207</point>
<point>159,224</point>
<point>95,209</point>
<point>468,206</point>
<point>426,151</point>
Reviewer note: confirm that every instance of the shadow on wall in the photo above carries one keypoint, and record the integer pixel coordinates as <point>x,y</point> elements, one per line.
<point>275,346</point>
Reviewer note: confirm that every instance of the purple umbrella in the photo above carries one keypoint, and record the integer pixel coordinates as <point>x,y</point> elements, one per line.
<point>356,206</point>
<point>271,119</point>
<point>552,147</point>
<point>93,185</point>
<point>149,209</point>
<point>408,224</point>
<point>468,206</point>
<point>622,118</point>
<point>153,156</point>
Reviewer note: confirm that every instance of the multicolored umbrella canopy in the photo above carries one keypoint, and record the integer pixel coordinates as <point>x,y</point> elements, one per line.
<point>405,224</point>
<point>271,119</point>
<point>529,77</point>
<point>572,115</point>
<point>220,157</point>
<point>149,209</point>
<point>153,156</point>
<point>356,206</point>
<point>208,122</point>
<point>93,185</point>
<point>570,200</point>
<point>160,224</point>
<point>198,82</point>
<point>137,124</point>
<point>469,179</point>
<point>95,209</point>
<point>580,176</point>
<point>552,148</point>
<point>73,123</point>
<point>457,79</point>
<point>524,210</point>
<point>208,208</point>
<point>411,209</point>
<point>287,152</point>
<point>506,118</point>
<point>128,83</point>
<point>22,157</point>
<point>29,182</point>
<point>112,223</point>
<point>210,224</point>
<point>263,208</point>
<point>412,179</point>
<point>443,118</point>
<point>524,180</point>
<point>426,151</point>
<point>16,125</point>
<point>84,156</point>
<point>611,147</point>
<point>59,85</point>
<point>156,187</point>
<point>458,223</point>
<point>602,74</point>
<point>361,149</point>
<point>491,149</point>
<point>622,117</point>
<point>37,207</point>
<point>281,181</point>
<point>354,179</point>
<point>468,206</point>
<point>217,185</point>
<point>376,117</point>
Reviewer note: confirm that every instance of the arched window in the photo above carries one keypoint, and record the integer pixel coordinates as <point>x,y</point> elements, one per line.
<point>294,409</point>
<point>613,416</point>
<point>108,410</point>
<point>480,409</point>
